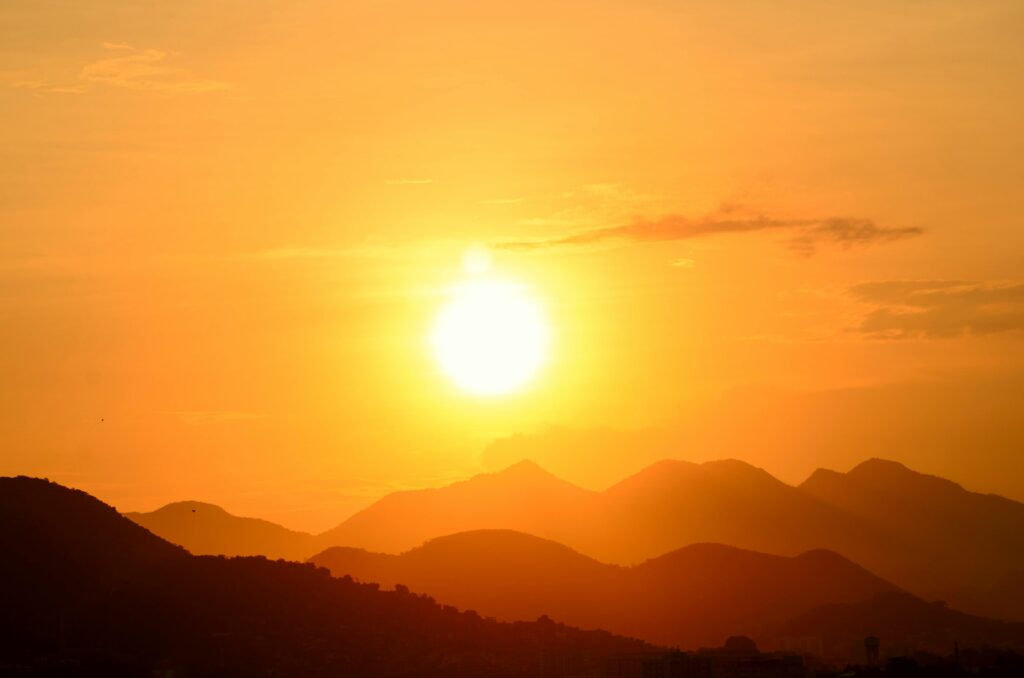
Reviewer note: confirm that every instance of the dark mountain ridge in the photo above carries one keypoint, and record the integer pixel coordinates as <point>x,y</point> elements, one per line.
<point>925,534</point>
<point>88,592</point>
<point>691,597</point>
<point>208,529</point>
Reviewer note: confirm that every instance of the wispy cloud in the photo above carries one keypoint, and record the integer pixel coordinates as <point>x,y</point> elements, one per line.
<point>806,234</point>
<point>44,86</point>
<point>127,67</point>
<point>940,308</point>
<point>144,69</point>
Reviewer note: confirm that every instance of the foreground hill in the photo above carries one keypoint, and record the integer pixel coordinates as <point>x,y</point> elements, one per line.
<point>87,592</point>
<point>692,597</point>
<point>206,529</point>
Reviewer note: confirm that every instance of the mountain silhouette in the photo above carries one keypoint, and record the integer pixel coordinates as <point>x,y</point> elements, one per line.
<point>522,497</point>
<point>674,503</point>
<point>961,546</point>
<point>206,529</point>
<point>61,546</point>
<point>924,534</point>
<point>86,592</point>
<point>692,597</point>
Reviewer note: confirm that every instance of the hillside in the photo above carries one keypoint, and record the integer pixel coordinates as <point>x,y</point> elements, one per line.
<point>88,592</point>
<point>924,534</point>
<point>522,497</point>
<point>692,597</point>
<point>206,529</point>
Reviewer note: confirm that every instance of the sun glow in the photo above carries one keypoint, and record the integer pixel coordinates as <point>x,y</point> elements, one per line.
<point>491,337</point>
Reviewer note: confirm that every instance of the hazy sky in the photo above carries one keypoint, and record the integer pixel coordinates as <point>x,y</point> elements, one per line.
<point>788,232</point>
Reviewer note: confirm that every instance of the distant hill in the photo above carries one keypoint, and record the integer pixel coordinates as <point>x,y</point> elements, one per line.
<point>87,592</point>
<point>522,497</point>
<point>206,529</point>
<point>668,505</point>
<point>675,503</point>
<point>692,597</point>
<point>961,546</point>
<point>925,534</point>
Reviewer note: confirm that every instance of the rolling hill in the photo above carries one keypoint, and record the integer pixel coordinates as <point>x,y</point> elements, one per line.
<point>522,497</point>
<point>692,597</point>
<point>206,529</point>
<point>925,534</point>
<point>961,546</point>
<point>88,592</point>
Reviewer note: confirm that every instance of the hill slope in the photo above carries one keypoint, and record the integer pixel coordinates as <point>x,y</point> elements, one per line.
<point>522,497</point>
<point>692,597</point>
<point>924,534</point>
<point>206,529</point>
<point>87,592</point>
<point>954,544</point>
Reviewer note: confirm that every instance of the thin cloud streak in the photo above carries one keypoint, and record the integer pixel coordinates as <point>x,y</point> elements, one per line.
<point>806,234</point>
<point>144,69</point>
<point>127,67</point>
<point>908,309</point>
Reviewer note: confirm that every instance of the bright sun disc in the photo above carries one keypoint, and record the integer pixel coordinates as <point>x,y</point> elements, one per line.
<point>491,337</point>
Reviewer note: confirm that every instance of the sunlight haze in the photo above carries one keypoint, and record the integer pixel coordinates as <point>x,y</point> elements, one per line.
<point>244,246</point>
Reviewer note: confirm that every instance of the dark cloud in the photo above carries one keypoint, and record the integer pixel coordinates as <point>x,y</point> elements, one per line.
<point>940,308</point>
<point>805,234</point>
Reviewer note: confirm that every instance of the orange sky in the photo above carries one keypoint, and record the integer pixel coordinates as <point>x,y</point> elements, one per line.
<point>787,232</point>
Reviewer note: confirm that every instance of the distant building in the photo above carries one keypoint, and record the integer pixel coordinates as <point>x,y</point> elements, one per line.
<point>871,647</point>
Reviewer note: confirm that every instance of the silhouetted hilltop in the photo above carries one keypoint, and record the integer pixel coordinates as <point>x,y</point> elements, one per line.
<point>62,545</point>
<point>522,497</point>
<point>925,534</point>
<point>691,597</point>
<point>206,529</point>
<point>955,544</point>
<point>88,592</point>
<point>671,504</point>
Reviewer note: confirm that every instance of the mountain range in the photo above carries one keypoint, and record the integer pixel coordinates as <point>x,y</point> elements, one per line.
<point>926,535</point>
<point>86,592</point>
<point>208,529</point>
<point>693,597</point>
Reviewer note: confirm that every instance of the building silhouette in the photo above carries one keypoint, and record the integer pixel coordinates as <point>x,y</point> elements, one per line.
<point>871,646</point>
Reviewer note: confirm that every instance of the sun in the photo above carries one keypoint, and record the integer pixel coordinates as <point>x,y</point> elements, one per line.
<point>491,337</point>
